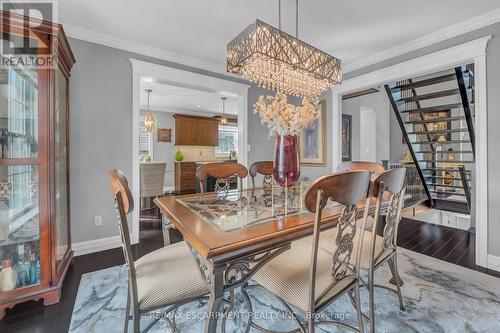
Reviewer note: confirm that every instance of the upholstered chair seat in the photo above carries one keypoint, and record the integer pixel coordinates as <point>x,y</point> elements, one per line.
<point>288,275</point>
<point>167,276</point>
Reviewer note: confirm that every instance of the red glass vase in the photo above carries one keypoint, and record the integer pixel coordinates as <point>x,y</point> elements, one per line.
<point>286,168</point>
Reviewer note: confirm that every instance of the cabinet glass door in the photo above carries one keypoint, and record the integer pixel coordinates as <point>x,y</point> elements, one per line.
<point>19,179</point>
<point>61,168</point>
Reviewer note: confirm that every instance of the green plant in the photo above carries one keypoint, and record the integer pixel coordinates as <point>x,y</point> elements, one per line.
<point>179,156</point>
<point>145,159</point>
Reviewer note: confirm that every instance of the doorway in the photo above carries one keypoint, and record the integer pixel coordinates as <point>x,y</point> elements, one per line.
<point>181,80</point>
<point>471,52</point>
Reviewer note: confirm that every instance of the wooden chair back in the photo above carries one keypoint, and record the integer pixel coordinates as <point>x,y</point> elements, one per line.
<point>264,168</point>
<point>388,186</point>
<point>221,172</point>
<point>348,189</point>
<point>375,168</point>
<point>124,204</point>
<point>152,179</point>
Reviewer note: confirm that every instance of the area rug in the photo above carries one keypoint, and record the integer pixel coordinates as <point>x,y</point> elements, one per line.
<point>439,297</point>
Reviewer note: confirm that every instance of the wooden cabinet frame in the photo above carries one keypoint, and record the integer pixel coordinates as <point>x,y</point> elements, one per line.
<point>51,278</point>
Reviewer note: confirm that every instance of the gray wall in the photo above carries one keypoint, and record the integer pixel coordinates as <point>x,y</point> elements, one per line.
<point>398,149</point>
<point>380,103</point>
<point>493,86</point>
<point>262,145</point>
<point>101,132</point>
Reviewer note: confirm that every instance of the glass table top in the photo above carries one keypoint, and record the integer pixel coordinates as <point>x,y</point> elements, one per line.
<point>235,209</point>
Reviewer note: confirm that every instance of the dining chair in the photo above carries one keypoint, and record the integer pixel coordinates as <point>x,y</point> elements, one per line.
<point>152,177</point>
<point>223,173</point>
<point>309,277</point>
<point>264,168</point>
<point>375,168</point>
<point>163,279</point>
<point>388,188</point>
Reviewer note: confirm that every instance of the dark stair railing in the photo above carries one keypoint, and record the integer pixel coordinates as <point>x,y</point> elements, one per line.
<point>407,140</point>
<point>466,185</point>
<point>465,104</point>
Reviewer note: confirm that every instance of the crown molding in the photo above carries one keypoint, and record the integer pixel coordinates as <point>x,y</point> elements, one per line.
<point>451,31</point>
<point>143,49</point>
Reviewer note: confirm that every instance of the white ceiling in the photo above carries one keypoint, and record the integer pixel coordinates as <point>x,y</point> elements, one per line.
<point>184,100</point>
<point>201,29</point>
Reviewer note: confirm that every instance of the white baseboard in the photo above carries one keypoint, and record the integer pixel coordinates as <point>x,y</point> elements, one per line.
<point>494,263</point>
<point>96,245</point>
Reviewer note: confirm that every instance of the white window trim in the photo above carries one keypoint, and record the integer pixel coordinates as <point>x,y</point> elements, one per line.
<point>227,128</point>
<point>151,135</point>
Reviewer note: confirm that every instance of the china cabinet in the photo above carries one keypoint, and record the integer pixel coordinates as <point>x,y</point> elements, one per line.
<point>35,247</point>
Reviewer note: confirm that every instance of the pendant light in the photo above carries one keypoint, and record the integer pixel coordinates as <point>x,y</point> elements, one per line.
<point>223,119</point>
<point>149,118</point>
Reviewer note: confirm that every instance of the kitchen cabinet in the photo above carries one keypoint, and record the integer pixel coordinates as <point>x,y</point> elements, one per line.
<point>196,131</point>
<point>185,177</point>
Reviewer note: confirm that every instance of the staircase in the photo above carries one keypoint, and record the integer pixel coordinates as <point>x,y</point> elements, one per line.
<point>436,116</point>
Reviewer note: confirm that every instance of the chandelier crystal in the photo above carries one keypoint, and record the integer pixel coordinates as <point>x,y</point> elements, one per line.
<point>275,60</point>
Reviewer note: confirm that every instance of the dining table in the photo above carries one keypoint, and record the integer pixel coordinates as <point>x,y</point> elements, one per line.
<point>234,233</point>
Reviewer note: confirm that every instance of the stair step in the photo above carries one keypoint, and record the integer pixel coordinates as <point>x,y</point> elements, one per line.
<point>440,143</point>
<point>447,192</point>
<point>435,120</point>
<point>446,161</point>
<point>442,169</point>
<point>436,108</point>
<point>454,130</point>
<point>441,177</point>
<point>444,152</point>
<point>426,82</point>
<point>437,94</point>
<point>443,185</point>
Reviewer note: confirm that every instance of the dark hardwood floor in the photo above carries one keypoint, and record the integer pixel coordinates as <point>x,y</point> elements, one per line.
<point>447,244</point>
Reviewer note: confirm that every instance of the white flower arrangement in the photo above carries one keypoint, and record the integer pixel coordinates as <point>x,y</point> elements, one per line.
<point>283,118</point>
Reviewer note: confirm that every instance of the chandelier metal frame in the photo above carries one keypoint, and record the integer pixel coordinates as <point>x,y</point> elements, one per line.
<point>279,61</point>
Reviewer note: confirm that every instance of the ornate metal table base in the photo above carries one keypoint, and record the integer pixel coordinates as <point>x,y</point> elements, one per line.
<point>224,278</point>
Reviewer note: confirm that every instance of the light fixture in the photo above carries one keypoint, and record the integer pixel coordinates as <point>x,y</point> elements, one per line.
<point>149,118</point>
<point>275,60</point>
<point>223,119</point>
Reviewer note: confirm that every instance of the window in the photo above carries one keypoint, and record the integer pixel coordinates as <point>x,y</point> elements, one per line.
<point>228,140</point>
<point>145,142</point>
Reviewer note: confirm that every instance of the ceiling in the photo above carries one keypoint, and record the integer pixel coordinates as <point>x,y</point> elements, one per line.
<point>200,29</point>
<point>184,100</point>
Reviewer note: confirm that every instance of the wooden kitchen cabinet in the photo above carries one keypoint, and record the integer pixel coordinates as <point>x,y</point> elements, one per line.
<point>196,131</point>
<point>185,177</point>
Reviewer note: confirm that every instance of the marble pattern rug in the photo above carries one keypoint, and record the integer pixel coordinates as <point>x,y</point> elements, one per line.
<point>439,297</point>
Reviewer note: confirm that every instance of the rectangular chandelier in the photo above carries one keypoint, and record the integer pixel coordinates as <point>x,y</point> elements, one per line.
<point>276,60</point>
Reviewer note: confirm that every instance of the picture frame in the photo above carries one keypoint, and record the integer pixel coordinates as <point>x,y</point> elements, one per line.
<point>346,137</point>
<point>164,135</point>
<point>312,141</point>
